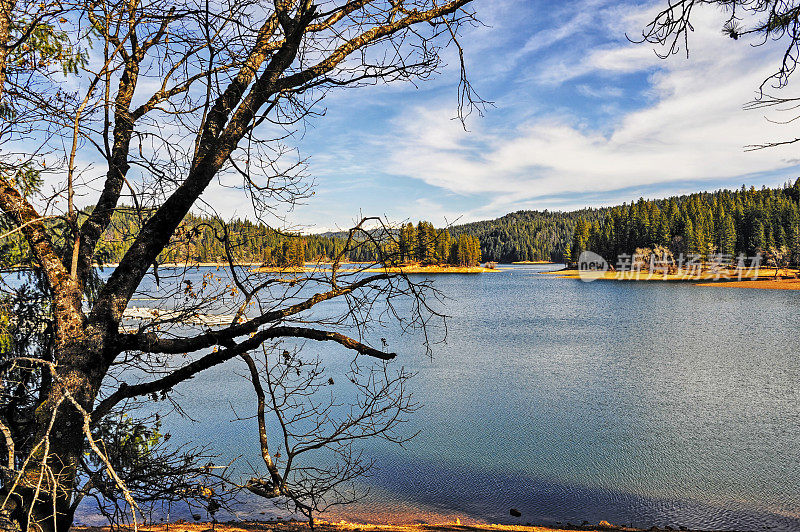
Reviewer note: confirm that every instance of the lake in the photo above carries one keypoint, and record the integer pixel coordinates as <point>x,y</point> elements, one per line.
<point>637,403</point>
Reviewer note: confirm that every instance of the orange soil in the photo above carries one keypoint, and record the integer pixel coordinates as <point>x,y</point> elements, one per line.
<point>343,526</point>
<point>771,284</point>
<point>432,269</point>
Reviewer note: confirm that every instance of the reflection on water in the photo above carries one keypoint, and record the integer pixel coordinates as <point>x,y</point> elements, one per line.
<point>641,403</point>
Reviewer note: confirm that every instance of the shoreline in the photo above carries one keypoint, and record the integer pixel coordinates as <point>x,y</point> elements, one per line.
<point>760,284</point>
<point>432,269</point>
<point>765,278</point>
<point>378,269</point>
<point>186,264</point>
<point>256,267</point>
<point>293,525</point>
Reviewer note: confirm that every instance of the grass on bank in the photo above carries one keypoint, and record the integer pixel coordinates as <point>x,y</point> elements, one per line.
<point>768,278</point>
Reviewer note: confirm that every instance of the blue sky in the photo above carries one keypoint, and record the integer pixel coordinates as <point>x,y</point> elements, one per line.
<point>581,117</point>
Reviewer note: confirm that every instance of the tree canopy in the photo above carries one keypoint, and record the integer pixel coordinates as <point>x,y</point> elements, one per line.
<point>140,107</point>
<point>726,224</point>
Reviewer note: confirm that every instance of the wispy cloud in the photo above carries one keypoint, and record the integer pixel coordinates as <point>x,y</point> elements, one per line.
<point>600,91</point>
<point>694,129</point>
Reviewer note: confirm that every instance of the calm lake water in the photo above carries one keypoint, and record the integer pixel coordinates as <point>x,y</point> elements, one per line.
<point>637,403</point>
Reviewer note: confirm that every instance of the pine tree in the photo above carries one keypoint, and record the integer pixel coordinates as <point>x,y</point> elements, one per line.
<point>580,239</point>
<point>443,242</point>
<point>793,236</point>
<point>475,251</point>
<point>728,236</point>
<point>690,237</point>
<point>426,243</point>
<point>408,242</point>
<point>759,240</point>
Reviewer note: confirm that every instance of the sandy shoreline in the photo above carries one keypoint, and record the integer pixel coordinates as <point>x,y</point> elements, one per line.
<point>403,269</point>
<point>434,269</point>
<point>343,526</point>
<point>187,265</point>
<point>764,284</point>
<point>256,267</point>
<point>764,279</point>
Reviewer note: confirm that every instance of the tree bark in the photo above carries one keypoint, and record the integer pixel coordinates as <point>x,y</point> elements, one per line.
<point>49,480</point>
<point>86,345</point>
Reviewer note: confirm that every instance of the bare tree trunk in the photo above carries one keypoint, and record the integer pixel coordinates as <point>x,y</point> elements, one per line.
<point>47,483</point>
<point>297,51</point>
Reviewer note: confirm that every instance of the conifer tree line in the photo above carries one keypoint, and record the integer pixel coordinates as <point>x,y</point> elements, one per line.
<point>519,236</point>
<point>726,223</point>
<point>291,252</point>
<point>527,235</point>
<point>427,245</point>
<point>202,239</point>
<point>199,240</point>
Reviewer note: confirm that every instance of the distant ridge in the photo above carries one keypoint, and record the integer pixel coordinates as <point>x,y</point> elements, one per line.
<point>767,217</point>
<point>527,235</point>
<point>519,236</point>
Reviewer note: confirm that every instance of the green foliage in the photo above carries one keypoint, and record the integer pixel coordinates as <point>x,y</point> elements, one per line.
<point>580,240</point>
<point>5,331</point>
<point>426,243</point>
<point>26,179</point>
<point>154,473</point>
<point>729,222</point>
<point>443,247</point>
<point>45,46</point>
<point>13,250</point>
<point>129,443</point>
<point>291,252</point>
<point>527,235</point>
<point>466,251</point>
<point>407,242</point>
<point>202,239</point>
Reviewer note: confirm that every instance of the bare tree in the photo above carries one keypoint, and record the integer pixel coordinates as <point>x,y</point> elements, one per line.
<point>170,96</point>
<point>296,395</point>
<point>763,21</point>
<point>779,257</point>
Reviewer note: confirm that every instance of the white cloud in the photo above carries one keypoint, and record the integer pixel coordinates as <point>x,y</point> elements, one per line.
<point>601,92</point>
<point>695,128</point>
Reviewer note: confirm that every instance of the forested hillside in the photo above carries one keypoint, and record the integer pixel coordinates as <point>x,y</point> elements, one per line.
<point>726,222</point>
<point>203,239</point>
<point>198,239</point>
<point>527,235</point>
<point>519,236</point>
<point>427,245</point>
